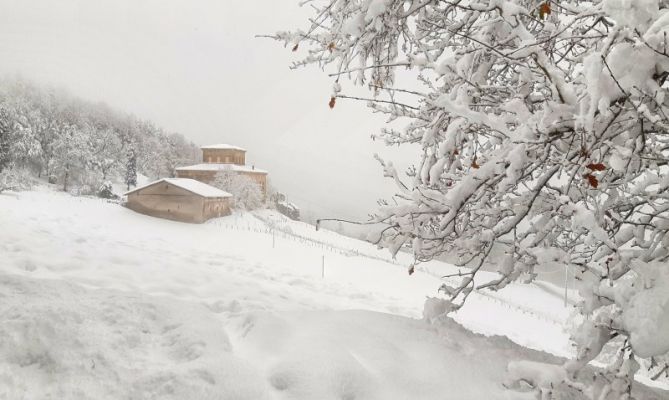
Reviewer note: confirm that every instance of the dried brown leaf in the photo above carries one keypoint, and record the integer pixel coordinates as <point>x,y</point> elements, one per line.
<point>592,180</point>
<point>596,167</point>
<point>544,9</point>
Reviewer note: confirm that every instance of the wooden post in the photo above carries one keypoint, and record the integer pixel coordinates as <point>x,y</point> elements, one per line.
<point>323,266</point>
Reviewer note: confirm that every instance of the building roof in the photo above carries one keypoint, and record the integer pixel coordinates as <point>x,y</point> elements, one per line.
<point>222,167</point>
<point>191,185</point>
<point>222,146</point>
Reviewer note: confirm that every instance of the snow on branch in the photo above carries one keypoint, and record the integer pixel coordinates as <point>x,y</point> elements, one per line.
<point>544,131</point>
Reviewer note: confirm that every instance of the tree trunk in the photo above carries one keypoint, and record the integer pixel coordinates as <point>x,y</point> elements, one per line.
<point>67,173</point>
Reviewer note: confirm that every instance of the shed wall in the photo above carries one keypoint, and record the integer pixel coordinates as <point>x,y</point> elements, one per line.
<point>168,201</point>
<point>214,208</point>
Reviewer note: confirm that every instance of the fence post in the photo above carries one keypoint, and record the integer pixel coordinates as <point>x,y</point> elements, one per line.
<point>566,283</point>
<point>323,266</point>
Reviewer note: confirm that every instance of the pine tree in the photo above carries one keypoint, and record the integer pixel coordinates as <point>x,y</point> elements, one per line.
<point>131,169</point>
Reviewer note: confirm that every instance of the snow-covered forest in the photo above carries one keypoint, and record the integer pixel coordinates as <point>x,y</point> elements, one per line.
<point>48,133</point>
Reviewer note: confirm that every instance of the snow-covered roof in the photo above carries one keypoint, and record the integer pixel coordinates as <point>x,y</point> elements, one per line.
<point>222,146</point>
<point>191,185</point>
<point>221,167</point>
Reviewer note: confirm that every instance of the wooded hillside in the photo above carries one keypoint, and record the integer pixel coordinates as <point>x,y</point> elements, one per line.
<point>51,134</point>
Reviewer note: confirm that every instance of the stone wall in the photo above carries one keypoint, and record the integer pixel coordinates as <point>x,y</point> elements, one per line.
<point>224,156</point>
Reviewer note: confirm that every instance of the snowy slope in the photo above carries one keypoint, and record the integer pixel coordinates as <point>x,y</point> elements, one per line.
<point>63,341</point>
<point>101,302</point>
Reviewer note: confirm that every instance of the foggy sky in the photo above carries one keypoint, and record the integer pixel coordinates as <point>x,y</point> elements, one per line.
<point>196,68</point>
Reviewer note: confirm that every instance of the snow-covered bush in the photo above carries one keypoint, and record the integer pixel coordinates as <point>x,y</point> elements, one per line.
<point>544,134</point>
<point>290,210</point>
<point>14,178</point>
<point>282,205</point>
<point>246,193</point>
<point>106,191</point>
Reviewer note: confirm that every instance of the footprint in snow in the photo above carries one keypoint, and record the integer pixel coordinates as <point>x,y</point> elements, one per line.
<point>28,265</point>
<point>221,306</point>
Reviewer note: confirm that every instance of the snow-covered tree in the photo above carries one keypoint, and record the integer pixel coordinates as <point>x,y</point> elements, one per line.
<point>24,149</point>
<point>71,151</point>
<point>245,192</point>
<point>5,139</point>
<point>544,132</point>
<point>106,151</point>
<point>131,169</point>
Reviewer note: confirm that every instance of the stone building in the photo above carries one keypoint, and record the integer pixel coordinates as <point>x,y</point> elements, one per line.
<point>223,153</point>
<point>180,199</point>
<point>223,157</point>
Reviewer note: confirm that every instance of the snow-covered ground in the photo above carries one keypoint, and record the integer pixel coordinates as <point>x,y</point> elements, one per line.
<point>100,302</point>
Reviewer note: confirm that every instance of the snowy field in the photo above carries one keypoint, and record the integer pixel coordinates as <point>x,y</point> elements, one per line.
<point>99,302</point>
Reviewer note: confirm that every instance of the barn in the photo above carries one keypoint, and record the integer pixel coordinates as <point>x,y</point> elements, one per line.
<point>180,199</point>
